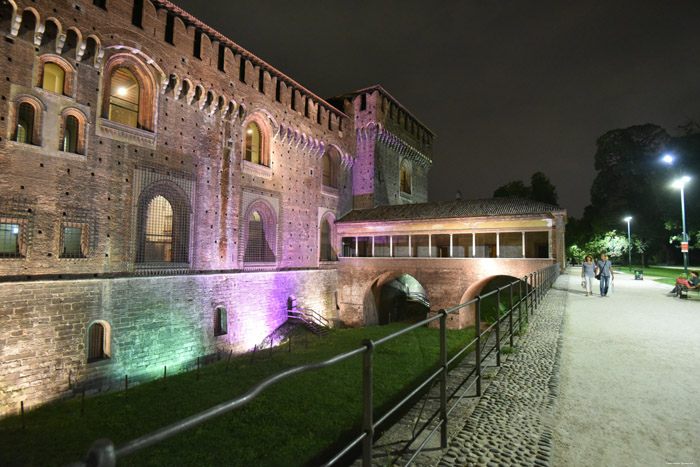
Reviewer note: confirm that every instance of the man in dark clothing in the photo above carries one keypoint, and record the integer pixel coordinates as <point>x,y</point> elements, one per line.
<point>604,271</point>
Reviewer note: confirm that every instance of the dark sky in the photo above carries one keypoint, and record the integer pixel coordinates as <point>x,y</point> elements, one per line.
<point>509,87</point>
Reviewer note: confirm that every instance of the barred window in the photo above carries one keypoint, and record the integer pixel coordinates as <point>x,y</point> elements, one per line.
<point>24,132</point>
<point>405,177</point>
<point>124,97</point>
<point>159,231</point>
<point>98,342</point>
<point>327,252</point>
<point>253,144</point>
<point>9,240</point>
<point>53,78</point>
<point>163,225</point>
<point>257,248</point>
<point>70,134</point>
<point>220,321</point>
<point>74,240</point>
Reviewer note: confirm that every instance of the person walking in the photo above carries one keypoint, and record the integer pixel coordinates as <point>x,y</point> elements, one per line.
<point>604,271</point>
<point>588,274</point>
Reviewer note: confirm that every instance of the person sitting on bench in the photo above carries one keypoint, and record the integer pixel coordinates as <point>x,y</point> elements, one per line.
<point>690,284</point>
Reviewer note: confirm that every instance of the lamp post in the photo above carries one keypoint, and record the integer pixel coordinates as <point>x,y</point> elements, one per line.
<point>629,241</point>
<point>680,183</point>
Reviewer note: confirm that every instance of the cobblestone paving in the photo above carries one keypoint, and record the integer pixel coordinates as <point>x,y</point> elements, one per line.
<point>512,423</point>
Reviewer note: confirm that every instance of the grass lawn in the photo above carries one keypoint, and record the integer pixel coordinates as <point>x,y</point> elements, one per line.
<point>665,275</point>
<point>299,421</point>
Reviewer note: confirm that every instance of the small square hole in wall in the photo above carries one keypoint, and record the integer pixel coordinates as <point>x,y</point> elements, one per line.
<point>312,172</point>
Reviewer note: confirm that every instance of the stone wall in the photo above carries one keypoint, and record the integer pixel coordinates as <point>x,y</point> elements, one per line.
<point>153,322</point>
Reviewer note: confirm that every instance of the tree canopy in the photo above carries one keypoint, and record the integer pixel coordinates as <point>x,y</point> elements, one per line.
<point>540,189</point>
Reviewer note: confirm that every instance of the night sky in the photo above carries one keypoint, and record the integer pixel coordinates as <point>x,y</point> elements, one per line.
<point>510,88</point>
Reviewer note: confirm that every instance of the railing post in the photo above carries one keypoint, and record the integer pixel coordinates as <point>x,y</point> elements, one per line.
<point>520,305</point>
<point>443,379</point>
<point>477,350</point>
<point>510,317</point>
<point>367,403</point>
<point>498,327</point>
<point>531,295</point>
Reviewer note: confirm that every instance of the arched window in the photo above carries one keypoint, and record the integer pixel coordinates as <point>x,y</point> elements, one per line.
<point>257,249</point>
<point>405,177</point>
<point>26,118</point>
<point>253,144</point>
<point>220,321</point>
<point>327,252</point>
<point>331,167</point>
<point>98,338</point>
<point>69,142</point>
<point>124,97</point>
<point>54,77</point>
<point>159,231</point>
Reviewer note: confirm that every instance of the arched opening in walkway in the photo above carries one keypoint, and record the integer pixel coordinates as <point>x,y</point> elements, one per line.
<point>401,299</point>
<point>492,305</point>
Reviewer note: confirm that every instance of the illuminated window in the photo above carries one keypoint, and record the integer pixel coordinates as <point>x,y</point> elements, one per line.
<point>24,132</point>
<point>405,177</point>
<point>331,168</point>
<point>9,240</point>
<point>257,248</point>
<point>253,144</point>
<point>74,240</point>
<point>98,342</point>
<point>53,79</point>
<point>159,231</point>
<point>71,127</point>
<point>327,253</point>
<point>124,98</point>
<point>220,321</point>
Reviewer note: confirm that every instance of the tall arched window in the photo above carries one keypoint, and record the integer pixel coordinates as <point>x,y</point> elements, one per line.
<point>331,167</point>
<point>24,132</point>
<point>159,231</point>
<point>405,177</point>
<point>327,252</point>
<point>124,97</point>
<point>257,249</point>
<point>71,127</point>
<point>98,342</point>
<point>54,77</point>
<point>253,144</point>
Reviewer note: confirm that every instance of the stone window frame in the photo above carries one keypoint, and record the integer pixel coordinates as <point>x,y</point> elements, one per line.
<point>84,239</point>
<point>69,73</point>
<point>330,218</point>
<point>148,94</point>
<point>82,130</point>
<point>261,122</point>
<point>22,237</point>
<point>333,169</point>
<point>270,223</point>
<point>405,168</point>
<point>106,344</point>
<point>39,108</point>
<point>220,321</point>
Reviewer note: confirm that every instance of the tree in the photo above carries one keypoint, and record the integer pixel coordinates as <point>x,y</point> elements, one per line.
<point>540,189</point>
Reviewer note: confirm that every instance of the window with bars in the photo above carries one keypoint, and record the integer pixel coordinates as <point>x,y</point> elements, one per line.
<point>220,321</point>
<point>163,225</point>
<point>327,252</point>
<point>257,248</point>
<point>71,127</point>
<point>24,133</point>
<point>74,240</point>
<point>124,97</point>
<point>159,231</point>
<point>98,343</point>
<point>10,239</point>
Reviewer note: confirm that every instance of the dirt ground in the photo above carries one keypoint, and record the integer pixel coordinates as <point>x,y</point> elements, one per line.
<point>630,383</point>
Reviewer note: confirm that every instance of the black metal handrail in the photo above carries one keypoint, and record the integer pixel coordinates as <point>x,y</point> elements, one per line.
<point>102,453</point>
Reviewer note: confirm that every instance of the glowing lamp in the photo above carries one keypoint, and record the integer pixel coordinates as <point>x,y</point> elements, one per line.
<point>668,159</point>
<point>121,91</point>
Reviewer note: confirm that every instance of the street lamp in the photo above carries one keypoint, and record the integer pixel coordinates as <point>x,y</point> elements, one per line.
<point>680,183</point>
<point>629,240</point>
<point>668,159</point>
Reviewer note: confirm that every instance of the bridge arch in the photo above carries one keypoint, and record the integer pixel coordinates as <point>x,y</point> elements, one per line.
<point>490,304</point>
<point>395,296</point>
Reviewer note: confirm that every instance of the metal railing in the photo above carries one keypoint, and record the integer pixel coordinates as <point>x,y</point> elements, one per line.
<point>103,453</point>
<point>318,324</point>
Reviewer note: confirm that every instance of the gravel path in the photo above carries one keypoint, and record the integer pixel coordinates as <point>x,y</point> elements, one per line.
<point>630,379</point>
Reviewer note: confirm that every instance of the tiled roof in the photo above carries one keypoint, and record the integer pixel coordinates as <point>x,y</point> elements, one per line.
<point>452,209</point>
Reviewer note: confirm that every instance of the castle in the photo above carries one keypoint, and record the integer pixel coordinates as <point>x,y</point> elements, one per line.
<point>163,192</point>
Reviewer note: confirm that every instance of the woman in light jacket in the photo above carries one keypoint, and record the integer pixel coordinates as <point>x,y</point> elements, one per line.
<point>588,274</point>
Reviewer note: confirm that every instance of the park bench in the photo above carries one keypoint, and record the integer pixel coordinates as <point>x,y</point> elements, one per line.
<point>685,292</point>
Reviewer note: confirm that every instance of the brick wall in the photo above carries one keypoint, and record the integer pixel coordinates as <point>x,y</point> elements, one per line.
<point>153,322</point>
